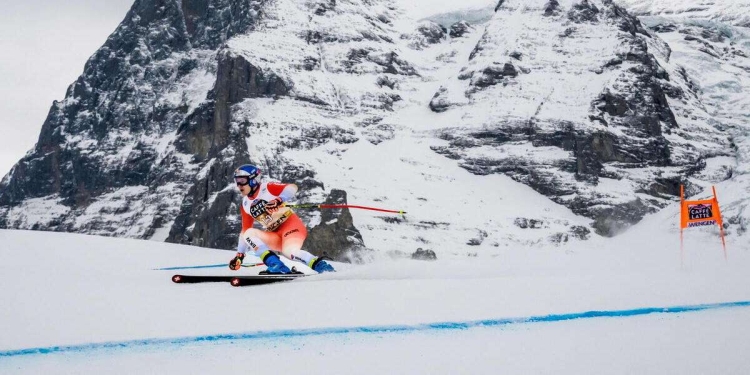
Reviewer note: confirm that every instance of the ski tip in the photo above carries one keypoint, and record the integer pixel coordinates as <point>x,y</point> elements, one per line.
<point>236,282</point>
<point>177,278</point>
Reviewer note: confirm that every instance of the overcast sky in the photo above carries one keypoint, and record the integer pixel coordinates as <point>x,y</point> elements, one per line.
<point>45,43</point>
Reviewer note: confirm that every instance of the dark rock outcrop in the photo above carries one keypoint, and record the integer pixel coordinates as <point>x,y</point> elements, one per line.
<point>426,34</point>
<point>552,8</point>
<point>432,32</point>
<point>335,236</point>
<point>389,62</point>
<point>493,75</point>
<point>424,254</point>
<point>459,29</point>
<point>206,131</point>
<point>499,4</point>
<point>438,103</point>
<point>584,12</point>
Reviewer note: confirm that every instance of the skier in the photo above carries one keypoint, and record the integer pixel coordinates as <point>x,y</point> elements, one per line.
<point>283,232</point>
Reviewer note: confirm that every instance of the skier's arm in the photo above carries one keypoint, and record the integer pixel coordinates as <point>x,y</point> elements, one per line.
<point>288,193</point>
<point>284,192</point>
<point>241,245</point>
<point>247,223</point>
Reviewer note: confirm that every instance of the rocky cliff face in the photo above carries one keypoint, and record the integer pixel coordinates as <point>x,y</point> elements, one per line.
<point>581,110</point>
<point>143,145</point>
<point>355,101</point>
<point>107,148</point>
<point>714,59</point>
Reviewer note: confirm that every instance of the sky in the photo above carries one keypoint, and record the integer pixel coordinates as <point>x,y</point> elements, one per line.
<point>45,44</point>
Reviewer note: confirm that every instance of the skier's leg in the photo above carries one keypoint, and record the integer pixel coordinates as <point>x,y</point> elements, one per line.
<point>263,244</point>
<point>293,234</point>
<point>260,241</point>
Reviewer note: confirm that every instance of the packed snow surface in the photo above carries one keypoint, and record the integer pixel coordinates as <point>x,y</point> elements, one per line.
<point>86,304</point>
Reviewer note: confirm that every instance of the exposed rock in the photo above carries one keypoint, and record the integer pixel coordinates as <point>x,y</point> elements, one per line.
<point>325,6</point>
<point>476,241</point>
<point>426,34</point>
<point>477,49</point>
<point>379,133</point>
<point>612,104</point>
<point>494,74</point>
<point>387,81</point>
<point>580,232</point>
<point>558,238</point>
<point>739,224</point>
<point>459,29</point>
<point>205,132</point>
<point>424,254</point>
<point>525,223</point>
<point>665,28</point>
<point>552,8</point>
<point>499,4</point>
<point>390,62</point>
<point>335,236</point>
<point>439,103</point>
<point>625,21</point>
<point>584,12</point>
<point>432,32</point>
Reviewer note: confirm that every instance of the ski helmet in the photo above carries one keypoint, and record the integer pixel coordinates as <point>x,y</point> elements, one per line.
<point>247,174</point>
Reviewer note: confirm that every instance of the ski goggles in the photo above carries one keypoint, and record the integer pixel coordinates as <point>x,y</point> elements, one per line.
<point>245,180</point>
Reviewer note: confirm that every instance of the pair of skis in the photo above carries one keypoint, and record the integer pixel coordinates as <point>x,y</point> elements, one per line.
<point>237,280</point>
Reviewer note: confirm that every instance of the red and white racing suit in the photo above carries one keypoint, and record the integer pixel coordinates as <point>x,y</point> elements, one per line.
<point>283,232</point>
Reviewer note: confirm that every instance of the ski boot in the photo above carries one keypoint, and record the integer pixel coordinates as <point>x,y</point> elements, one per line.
<point>274,265</point>
<point>319,265</point>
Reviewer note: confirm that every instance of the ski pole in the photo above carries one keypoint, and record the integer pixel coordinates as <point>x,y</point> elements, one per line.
<point>322,205</point>
<point>204,266</point>
<point>253,265</point>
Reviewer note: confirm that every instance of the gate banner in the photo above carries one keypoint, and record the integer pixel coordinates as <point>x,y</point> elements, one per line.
<point>700,213</point>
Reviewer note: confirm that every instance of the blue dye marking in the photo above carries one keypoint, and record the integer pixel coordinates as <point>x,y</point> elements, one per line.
<point>368,329</point>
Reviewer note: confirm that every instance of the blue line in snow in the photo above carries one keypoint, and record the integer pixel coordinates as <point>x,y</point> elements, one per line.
<point>368,329</point>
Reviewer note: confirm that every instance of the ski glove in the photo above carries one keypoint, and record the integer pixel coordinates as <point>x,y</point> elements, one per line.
<point>274,205</point>
<point>236,263</point>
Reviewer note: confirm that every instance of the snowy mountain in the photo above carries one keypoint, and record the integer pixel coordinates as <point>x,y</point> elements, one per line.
<point>569,99</point>
<point>550,121</point>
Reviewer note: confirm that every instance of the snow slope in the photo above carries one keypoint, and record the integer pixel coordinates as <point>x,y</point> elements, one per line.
<point>85,304</point>
<point>736,12</point>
